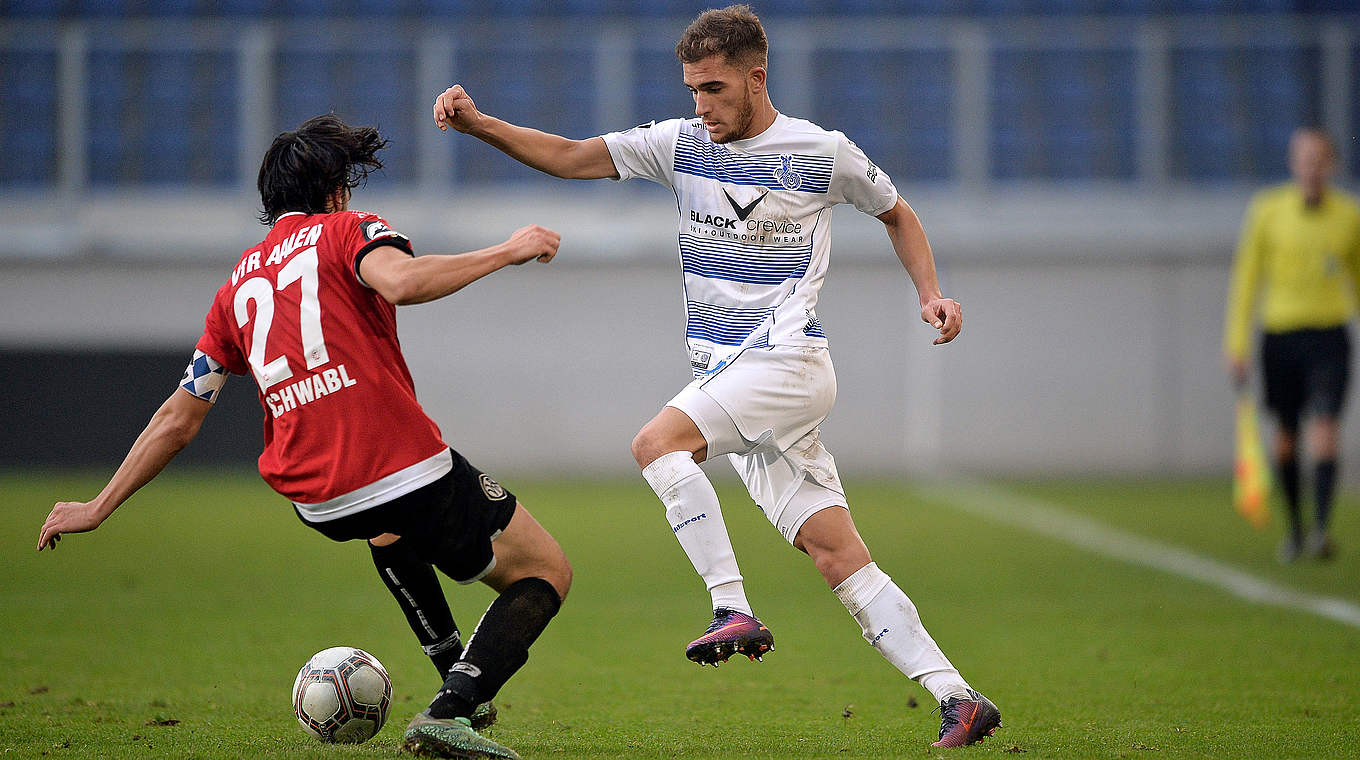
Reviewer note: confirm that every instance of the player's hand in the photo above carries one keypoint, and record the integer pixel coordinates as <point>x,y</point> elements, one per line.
<point>68,517</point>
<point>945,315</point>
<point>453,108</point>
<point>533,242</point>
<point>1238,370</point>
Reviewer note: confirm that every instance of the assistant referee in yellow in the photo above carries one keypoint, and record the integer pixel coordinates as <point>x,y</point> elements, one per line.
<point>1298,268</point>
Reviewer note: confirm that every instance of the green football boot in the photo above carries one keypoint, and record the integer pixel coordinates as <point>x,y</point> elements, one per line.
<point>427,736</point>
<point>483,716</point>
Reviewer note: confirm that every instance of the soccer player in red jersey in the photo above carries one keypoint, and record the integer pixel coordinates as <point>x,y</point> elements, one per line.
<point>310,313</point>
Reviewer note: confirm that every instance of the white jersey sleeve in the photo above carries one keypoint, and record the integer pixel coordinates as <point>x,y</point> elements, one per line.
<point>855,179</point>
<point>646,151</point>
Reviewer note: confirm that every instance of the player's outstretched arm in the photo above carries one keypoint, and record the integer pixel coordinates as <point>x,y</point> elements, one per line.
<point>913,250</point>
<point>548,153</point>
<point>170,430</point>
<point>402,279</point>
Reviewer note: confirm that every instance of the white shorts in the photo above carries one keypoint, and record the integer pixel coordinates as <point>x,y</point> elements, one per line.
<point>763,410</point>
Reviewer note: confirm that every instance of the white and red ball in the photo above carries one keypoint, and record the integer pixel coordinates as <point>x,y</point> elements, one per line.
<point>342,695</point>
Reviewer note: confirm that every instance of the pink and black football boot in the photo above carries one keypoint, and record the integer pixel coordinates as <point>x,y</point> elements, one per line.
<point>730,633</point>
<point>967,721</point>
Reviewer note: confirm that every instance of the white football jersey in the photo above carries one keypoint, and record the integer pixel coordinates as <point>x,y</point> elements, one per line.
<point>755,224</point>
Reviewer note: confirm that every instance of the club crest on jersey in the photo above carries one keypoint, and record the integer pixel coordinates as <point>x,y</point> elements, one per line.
<point>374,229</point>
<point>493,490</point>
<point>786,174</point>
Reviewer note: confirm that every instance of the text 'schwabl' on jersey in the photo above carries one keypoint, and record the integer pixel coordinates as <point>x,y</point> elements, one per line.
<point>755,224</point>
<point>340,406</point>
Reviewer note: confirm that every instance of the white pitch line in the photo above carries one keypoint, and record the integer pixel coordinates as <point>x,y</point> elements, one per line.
<point>1047,519</point>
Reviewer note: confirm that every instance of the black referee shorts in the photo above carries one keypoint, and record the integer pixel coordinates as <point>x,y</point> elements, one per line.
<point>1306,371</point>
<point>449,523</point>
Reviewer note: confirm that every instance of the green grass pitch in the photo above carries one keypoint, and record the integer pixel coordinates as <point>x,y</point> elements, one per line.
<point>202,597</point>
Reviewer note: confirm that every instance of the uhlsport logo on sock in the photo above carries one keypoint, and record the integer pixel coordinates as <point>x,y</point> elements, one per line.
<point>696,518</point>
<point>880,635</point>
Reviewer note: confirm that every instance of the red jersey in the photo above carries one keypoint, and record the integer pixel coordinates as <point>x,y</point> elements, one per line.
<point>343,430</point>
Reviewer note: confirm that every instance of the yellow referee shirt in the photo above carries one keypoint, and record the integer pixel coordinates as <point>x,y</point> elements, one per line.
<point>1302,263</point>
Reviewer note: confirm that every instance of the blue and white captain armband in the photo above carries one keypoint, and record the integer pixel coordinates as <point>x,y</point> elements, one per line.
<point>204,377</point>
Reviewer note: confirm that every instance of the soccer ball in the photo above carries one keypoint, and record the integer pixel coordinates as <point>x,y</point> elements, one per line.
<point>342,695</point>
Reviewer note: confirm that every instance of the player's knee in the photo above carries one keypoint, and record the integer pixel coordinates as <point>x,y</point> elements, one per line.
<point>646,447</point>
<point>1323,437</point>
<point>562,579</point>
<point>558,571</point>
<point>1285,444</point>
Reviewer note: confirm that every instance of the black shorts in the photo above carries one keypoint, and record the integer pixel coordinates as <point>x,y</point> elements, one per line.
<point>1306,371</point>
<point>450,522</point>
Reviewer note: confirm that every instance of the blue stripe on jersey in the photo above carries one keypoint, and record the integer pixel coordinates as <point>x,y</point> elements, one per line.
<point>814,328</point>
<point>723,325</point>
<point>704,159</point>
<point>742,262</point>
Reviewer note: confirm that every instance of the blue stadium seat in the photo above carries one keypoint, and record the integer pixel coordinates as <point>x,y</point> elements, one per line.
<point>1355,115</point>
<point>1202,141</point>
<point>553,99</point>
<point>886,7</point>
<point>107,96</point>
<point>1231,6</point>
<point>658,93</point>
<point>1137,7</point>
<point>171,8</point>
<point>895,106</point>
<point>1232,110</point>
<point>245,9</point>
<point>1000,7</point>
<point>592,9</point>
<point>168,93</point>
<point>28,123</point>
<point>1063,114</point>
<point>788,7</point>
<point>102,8</point>
<point>444,8</point>
<point>35,9</point>
<point>384,8</point>
<point>379,93</point>
<point>302,86</point>
<point>307,8</point>
<point>678,9</point>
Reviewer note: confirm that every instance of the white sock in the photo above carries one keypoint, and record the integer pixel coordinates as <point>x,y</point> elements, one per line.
<point>892,626</point>
<point>697,521</point>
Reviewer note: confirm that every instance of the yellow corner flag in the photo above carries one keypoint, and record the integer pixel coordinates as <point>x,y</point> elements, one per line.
<point>1251,472</point>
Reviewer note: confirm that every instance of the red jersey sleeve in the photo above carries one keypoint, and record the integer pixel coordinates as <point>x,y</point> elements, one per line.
<point>219,336</point>
<point>371,231</point>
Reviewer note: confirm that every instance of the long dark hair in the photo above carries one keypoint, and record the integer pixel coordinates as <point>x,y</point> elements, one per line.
<point>302,169</point>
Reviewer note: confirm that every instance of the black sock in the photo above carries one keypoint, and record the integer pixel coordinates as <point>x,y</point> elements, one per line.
<point>1289,483</point>
<point>415,586</point>
<point>1324,487</point>
<point>498,648</point>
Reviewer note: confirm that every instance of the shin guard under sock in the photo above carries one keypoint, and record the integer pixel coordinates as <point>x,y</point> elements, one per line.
<point>498,647</point>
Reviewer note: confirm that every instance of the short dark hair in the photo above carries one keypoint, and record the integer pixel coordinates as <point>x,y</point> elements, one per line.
<point>303,168</point>
<point>733,32</point>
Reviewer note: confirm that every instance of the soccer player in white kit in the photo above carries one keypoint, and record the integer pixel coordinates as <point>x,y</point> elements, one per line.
<point>755,189</point>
